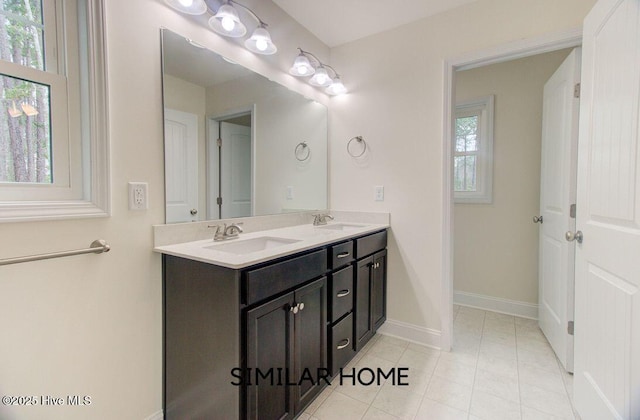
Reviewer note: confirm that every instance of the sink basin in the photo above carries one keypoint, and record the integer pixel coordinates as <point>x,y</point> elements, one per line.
<point>340,226</point>
<point>247,246</point>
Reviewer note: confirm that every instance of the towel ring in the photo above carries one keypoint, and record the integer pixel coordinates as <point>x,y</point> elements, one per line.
<point>359,139</point>
<point>302,146</point>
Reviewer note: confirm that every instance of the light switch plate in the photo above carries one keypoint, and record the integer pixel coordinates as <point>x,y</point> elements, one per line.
<point>289,193</point>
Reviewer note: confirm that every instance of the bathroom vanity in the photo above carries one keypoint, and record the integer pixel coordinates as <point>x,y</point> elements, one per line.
<point>257,329</point>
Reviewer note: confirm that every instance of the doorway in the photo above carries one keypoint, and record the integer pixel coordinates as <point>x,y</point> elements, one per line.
<point>230,163</point>
<point>503,261</point>
<point>506,53</point>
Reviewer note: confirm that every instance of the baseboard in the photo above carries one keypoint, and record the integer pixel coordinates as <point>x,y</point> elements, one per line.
<point>158,415</point>
<point>413,333</point>
<point>490,303</point>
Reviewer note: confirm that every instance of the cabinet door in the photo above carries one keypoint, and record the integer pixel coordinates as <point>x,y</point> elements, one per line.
<point>310,341</point>
<point>379,289</point>
<point>362,322</point>
<point>270,349</point>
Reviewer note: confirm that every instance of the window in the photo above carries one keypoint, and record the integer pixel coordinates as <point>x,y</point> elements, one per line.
<point>473,151</point>
<point>53,137</point>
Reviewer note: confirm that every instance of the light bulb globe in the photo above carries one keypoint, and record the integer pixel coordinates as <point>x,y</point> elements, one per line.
<point>189,7</point>
<point>320,78</point>
<point>336,87</point>
<point>227,23</point>
<point>260,42</point>
<point>301,66</point>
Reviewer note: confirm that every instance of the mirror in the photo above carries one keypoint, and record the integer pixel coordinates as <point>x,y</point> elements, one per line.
<point>236,143</point>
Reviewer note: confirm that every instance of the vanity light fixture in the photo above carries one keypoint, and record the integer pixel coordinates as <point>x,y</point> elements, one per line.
<point>226,22</point>
<point>303,66</point>
<point>190,7</point>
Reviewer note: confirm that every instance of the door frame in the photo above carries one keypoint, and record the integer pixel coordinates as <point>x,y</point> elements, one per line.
<point>217,118</point>
<point>505,52</point>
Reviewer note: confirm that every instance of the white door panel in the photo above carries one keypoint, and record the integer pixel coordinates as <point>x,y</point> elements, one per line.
<point>607,340</point>
<point>236,170</point>
<point>557,194</point>
<point>181,167</point>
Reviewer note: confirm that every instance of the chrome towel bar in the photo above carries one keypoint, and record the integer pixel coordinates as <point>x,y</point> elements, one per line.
<point>97,247</point>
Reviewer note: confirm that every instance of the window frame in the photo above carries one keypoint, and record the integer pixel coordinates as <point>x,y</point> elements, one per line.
<point>484,109</point>
<point>79,120</point>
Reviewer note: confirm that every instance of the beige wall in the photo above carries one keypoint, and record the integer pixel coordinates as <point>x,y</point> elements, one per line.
<point>496,245</point>
<point>396,103</point>
<point>92,324</point>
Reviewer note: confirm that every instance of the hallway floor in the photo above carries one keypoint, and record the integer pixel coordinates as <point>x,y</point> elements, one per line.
<point>501,367</point>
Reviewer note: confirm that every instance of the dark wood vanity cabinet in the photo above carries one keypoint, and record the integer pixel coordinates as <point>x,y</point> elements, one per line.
<point>284,337</point>
<point>259,342</point>
<point>371,287</point>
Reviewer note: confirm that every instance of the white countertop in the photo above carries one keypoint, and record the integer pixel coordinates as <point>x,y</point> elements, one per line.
<point>305,236</point>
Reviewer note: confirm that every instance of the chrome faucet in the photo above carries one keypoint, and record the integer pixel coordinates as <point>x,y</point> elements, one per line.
<point>232,231</point>
<point>321,219</point>
<point>224,232</point>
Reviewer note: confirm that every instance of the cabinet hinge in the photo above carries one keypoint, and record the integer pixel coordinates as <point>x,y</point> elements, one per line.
<point>572,211</point>
<point>570,328</point>
<point>219,142</point>
<point>576,90</point>
<point>219,201</point>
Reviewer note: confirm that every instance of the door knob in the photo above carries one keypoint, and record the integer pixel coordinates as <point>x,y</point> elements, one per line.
<point>193,212</point>
<point>537,219</point>
<point>570,236</point>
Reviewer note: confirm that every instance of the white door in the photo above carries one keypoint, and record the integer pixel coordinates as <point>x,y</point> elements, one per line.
<point>235,170</point>
<point>181,165</point>
<point>607,311</point>
<point>557,193</point>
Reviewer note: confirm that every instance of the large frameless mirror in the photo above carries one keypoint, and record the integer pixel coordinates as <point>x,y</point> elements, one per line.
<point>236,143</point>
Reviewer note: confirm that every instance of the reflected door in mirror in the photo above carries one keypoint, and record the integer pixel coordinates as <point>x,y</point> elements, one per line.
<point>181,166</point>
<point>236,170</point>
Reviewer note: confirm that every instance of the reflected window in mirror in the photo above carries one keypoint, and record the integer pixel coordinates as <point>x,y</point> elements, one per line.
<point>230,136</point>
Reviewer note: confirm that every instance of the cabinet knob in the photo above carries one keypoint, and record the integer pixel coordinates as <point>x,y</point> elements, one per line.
<point>294,309</point>
<point>301,305</point>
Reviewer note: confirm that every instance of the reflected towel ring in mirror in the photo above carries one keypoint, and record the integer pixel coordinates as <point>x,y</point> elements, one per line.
<point>360,140</point>
<point>300,148</point>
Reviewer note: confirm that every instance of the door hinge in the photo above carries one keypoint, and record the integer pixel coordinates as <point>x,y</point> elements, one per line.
<point>219,201</point>
<point>576,90</point>
<point>572,211</point>
<point>219,142</point>
<point>570,328</point>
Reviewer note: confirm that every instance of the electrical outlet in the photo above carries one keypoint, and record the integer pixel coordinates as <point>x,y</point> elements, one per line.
<point>138,196</point>
<point>289,193</point>
<point>379,193</point>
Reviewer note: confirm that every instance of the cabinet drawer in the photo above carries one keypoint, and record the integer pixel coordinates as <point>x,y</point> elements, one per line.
<point>341,344</point>
<point>367,245</point>
<point>341,293</point>
<point>275,278</point>
<point>341,254</point>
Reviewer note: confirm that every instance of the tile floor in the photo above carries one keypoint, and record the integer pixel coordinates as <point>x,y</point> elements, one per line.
<point>501,367</point>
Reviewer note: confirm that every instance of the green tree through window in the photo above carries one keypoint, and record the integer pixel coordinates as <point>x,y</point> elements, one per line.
<point>25,124</point>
